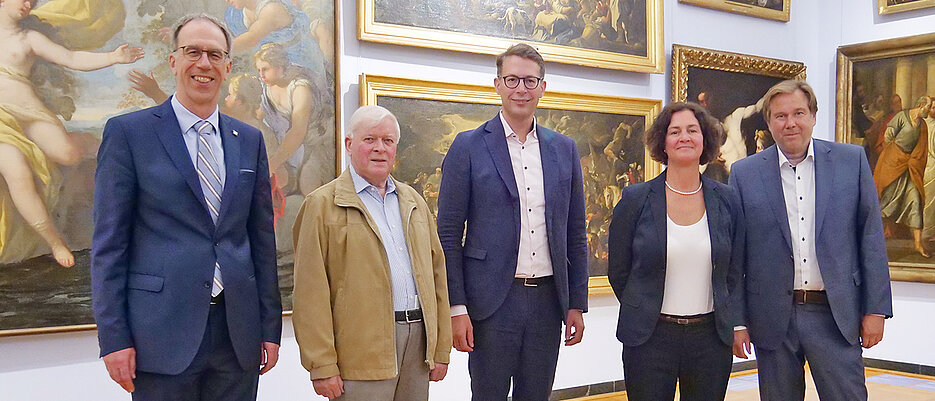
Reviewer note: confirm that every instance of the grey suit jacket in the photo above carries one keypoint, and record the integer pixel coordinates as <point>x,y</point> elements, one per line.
<point>849,241</point>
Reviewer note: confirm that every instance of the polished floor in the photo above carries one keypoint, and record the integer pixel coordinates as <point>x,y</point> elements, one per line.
<point>883,385</point>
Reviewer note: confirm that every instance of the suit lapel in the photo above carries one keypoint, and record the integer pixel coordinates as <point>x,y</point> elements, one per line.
<point>496,143</point>
<point>712,205</point>
<point>550,168</point>
<point>167,129</point>
<point>824,172</point>
<point>774,194</point>
<point>657,206</point>
<point>231,145</point>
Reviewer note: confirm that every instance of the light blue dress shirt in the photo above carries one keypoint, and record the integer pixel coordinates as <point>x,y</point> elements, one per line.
<point>385,213</point>
<point>187,121</point>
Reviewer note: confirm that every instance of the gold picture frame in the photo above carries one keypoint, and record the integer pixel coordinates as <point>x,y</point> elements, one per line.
<point>729,85</point>
<point>886,78</point>
<point>747,7</point>
<point>437,111</point>
<point>884,7</point>
<point>39,297</point>
<point>476,31</point>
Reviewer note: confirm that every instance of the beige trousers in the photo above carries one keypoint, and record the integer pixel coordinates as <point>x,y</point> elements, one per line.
<point>412,383</point>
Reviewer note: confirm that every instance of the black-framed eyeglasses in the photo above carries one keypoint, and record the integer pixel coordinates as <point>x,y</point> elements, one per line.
<point>193,53</point>
<point>512,81</point>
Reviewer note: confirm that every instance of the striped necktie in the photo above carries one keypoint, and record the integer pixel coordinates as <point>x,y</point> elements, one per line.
<point>208,174</point>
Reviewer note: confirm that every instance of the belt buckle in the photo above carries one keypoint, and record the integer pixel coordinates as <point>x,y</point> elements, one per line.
<point>411,320</point>
<point>528,283</point>
<point>681,320</point>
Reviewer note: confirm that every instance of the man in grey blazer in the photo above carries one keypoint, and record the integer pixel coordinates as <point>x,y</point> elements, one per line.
<point>817,281</point>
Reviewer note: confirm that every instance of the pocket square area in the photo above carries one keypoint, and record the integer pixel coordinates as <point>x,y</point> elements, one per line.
<point>246,170</point>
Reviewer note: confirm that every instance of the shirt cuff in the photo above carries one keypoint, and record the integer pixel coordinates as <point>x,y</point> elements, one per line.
<point>739,328</point>
<point>458,310</point>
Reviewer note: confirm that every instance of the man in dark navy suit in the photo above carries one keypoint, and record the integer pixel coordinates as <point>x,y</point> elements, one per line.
<point>521,269</point>
<point>183,262</point>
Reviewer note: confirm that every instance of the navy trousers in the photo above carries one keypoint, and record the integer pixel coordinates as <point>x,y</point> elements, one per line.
<point>692,355</point>
<point>519,342</point>
<point>214,374</point>
<point>836,365</point>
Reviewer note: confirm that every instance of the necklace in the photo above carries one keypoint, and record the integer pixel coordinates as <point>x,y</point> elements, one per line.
<point>683,193</point>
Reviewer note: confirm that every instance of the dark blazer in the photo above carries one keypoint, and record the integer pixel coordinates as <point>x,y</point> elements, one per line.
<point>155,246</point>
<point>849,241</point>
<point>637,257</point>
<point>478,187</point>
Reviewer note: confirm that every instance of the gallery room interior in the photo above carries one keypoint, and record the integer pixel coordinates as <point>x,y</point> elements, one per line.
<point>693,51</point>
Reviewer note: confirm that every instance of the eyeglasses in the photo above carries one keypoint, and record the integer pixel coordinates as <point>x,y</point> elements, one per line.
<point>512,81</point>
<point>192,53</point>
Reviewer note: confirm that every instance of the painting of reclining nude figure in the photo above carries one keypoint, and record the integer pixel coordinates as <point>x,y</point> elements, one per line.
<point>66,66</point>
<point>617,34</point>
<point>608,132</point>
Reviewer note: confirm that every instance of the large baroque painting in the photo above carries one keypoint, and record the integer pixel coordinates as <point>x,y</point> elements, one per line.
<point>730,86</point>
<point>616,34</point>
<point>608,131</point>
<point>66,66</point>
<point>886,103</point>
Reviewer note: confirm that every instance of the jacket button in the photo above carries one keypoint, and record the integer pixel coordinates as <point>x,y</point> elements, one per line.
<point>207,284</point>
<point>789,292</point>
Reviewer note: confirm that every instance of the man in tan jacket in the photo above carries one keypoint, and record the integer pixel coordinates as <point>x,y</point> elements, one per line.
<point>370,309</point>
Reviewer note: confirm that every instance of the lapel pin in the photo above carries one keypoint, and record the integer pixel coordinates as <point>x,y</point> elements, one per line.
<point>234,132</point>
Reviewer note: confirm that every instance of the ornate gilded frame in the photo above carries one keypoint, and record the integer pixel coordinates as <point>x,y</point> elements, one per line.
<point>747,9</point>
<point>847,56</point>
<point>338,167</point>
<point>684,57</point>
<point>884,8</point>
<point>368,29</point>
<point>372,86</point>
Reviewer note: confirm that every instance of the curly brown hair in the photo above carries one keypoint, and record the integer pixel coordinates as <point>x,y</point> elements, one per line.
<point>711,132</point>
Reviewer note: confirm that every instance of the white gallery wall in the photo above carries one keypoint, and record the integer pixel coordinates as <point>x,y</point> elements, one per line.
<point>66,367</point>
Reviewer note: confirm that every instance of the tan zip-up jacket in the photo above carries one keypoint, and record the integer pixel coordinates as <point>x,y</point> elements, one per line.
<point>343,304</point>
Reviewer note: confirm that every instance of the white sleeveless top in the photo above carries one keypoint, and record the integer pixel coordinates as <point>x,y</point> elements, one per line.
<point>688,289</point>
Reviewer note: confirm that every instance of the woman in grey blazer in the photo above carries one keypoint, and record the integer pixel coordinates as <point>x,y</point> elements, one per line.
<point>675,264</point>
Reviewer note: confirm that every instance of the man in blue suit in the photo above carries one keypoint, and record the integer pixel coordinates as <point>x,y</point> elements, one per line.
<point>817,280</point>
<point>521,269</point>
<point>183,262</point>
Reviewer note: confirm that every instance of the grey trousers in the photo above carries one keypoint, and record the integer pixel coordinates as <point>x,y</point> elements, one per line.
<point>412,383</point>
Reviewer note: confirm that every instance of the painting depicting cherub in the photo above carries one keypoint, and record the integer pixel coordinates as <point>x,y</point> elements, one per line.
<point>66,66</point>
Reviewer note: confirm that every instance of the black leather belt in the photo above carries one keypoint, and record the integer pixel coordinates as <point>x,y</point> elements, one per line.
<point>533,281</point>
<point>801,297</point>
<point>219,299</point>
<point>686,320</point>
<point>409,316</point>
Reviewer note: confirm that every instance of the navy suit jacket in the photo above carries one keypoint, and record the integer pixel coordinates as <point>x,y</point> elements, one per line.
<point>637,257</point>
<point>849,241</point>
<point>478,187</point>
<point>155,246</point>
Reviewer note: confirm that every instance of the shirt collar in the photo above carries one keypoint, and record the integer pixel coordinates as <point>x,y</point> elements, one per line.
<point>507,130</point>
<point>809,154</point>
<point>187,119</point>
<point>360,184</point>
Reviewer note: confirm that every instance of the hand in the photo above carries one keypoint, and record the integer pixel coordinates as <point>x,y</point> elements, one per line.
<point>122,367</point>
<point>438,373</point>
<point>742,344</point>
<point>146,84</point>
<point>871,330</point>
<point>124,54</point>
<point>462,332</point>
<point>575,320</point>
<point>331,387</point>
<point>270,355</point>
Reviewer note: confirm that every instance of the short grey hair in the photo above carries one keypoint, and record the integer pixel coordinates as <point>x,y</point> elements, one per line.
<point>368,117</point>
<point>204,17</point>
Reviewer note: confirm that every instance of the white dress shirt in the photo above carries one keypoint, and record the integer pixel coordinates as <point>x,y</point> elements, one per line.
<point>688,290</point>
<point>798,190</point>
<point>187,121</point>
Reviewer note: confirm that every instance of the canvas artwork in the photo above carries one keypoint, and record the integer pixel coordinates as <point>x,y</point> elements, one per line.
<point>607,130</point>
<point>730,85</point>
<point>770,9</point>
<point>898,6</point>
<point>66,66</point>
<point>618,34</point>
<point>886,104</point>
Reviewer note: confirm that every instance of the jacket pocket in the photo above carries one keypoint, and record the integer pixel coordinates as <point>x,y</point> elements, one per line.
<point>474,253</point>
<point>144,282</point>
